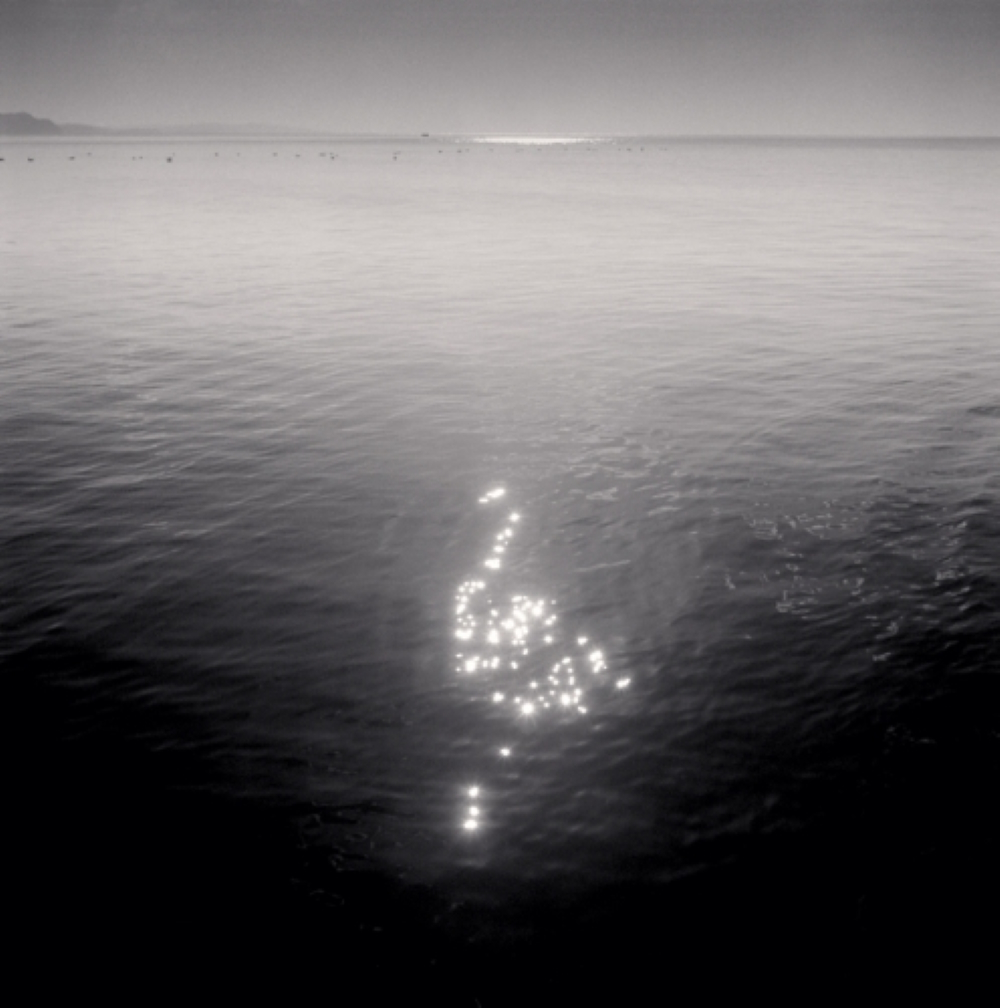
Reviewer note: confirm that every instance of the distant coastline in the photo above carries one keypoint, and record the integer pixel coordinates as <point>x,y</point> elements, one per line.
<point>23,124</point>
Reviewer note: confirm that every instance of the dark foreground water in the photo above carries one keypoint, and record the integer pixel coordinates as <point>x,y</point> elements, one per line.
<point>709,693</point>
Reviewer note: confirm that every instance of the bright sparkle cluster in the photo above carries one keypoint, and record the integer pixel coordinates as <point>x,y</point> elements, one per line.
<point>473,812</point>
<point>515,645</point>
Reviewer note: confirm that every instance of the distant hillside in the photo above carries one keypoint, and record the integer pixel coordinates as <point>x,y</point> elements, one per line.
<point>22,124</point>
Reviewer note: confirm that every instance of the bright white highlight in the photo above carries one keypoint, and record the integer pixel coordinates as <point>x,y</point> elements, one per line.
<point>516,637</point>
<point>536,141</point>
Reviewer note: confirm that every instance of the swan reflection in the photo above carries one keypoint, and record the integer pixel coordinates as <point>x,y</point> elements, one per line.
<point>515,644</point>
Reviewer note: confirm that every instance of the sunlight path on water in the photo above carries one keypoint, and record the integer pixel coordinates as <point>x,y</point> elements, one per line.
<point>515,649</point>
<point>537,141</point>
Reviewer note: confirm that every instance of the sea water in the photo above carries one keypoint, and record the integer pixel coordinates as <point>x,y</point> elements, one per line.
<point>517,524</point>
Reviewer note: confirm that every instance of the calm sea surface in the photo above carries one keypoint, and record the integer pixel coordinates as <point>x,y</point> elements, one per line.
<point>725,646</point>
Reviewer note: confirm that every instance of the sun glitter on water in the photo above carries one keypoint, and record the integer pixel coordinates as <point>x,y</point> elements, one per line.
<point>514,648</point>
<point>537,141</point>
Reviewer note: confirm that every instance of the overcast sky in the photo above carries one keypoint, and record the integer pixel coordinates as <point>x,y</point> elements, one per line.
<point>896,67</point>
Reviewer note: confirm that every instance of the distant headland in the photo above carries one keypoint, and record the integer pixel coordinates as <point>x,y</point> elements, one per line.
<point>22,124</point>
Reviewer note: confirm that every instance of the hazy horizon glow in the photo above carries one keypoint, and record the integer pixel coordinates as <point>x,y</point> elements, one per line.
<point>549,67</point>
<point>538,141</point>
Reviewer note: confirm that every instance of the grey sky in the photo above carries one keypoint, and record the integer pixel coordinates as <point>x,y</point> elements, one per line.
<point>897,67</point>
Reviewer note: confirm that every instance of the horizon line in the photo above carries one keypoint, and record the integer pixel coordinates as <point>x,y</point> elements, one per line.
<point>195,132</point>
